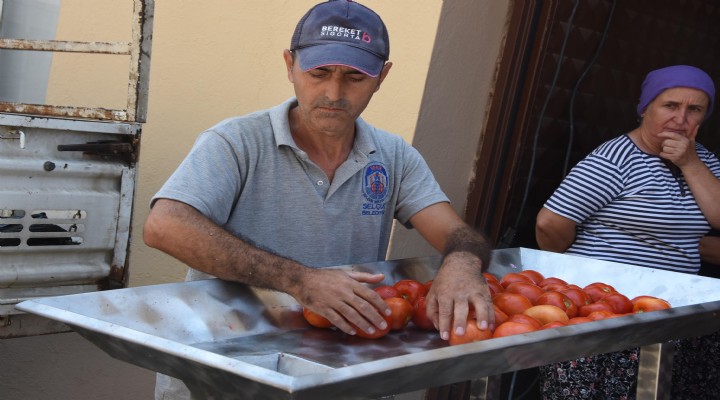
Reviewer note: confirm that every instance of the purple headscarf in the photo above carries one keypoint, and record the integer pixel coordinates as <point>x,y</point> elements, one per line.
<point>675,76</point>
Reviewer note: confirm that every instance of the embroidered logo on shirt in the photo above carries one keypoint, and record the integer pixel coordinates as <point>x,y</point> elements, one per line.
<point>376,185</point>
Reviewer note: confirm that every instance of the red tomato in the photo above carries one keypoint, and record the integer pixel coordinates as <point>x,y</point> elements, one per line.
<point>402,312</point>
<point>579,320</point>
<point>490,277</point>
<point>529,290</point>
<point>554,287</point>
<point>553,324</point>
<point>410,289</point>
<point>428,284</point>
<point>577,296</point>
<point>585,310</point>
<point>420,318</point>
<point>550,280</point>
<point>649,303</point>
<point>547,313</point>
<point>378,332</point>
<point>511,303</point>
<point>500,315</point>
<point>512,328</point>
<point>525,319</point>
<point>472,334</point>
<point>495,287</point>
<point>387,292</point>
<point>598,290</point>
<point>316,319</point>
<point>535,276</point>
<point>619,303</point>
<point>511,277</point>
<point>559,300</point>
<point>601,314</point>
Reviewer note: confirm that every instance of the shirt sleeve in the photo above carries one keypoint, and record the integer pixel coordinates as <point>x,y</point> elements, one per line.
<point>208,179</point>
<point>590,185</point>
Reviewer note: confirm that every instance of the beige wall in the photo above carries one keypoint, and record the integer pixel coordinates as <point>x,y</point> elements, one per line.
<point>216,59</point>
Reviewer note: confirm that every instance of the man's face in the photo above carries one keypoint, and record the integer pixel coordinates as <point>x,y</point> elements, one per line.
<point>680,110</point>
<point>331,98</point>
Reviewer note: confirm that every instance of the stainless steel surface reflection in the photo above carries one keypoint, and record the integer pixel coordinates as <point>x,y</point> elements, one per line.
<point>226,340</point>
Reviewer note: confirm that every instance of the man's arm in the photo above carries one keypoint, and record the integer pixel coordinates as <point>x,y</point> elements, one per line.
<point>184,233</point>
<point>554,232</point>
<point>459,282</point>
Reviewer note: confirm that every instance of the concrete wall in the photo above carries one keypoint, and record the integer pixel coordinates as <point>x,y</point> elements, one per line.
<point>212,60</point>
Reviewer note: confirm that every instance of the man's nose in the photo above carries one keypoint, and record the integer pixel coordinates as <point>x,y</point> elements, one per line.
<point>334,89</point>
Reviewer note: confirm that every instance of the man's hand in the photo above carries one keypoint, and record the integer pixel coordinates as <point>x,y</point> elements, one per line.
<point>458,285</point>
<point>341,297</point>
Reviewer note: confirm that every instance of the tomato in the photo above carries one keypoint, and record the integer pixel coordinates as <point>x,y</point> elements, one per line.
<point>378,332</point>
<point>512,328</point>
<point>601,314</point>
<point>410,289</point>
<point>316,319</point>
<point>535,276</point>
<point>554,287</point>
<point>577,296</point>
<point>490,277</point>
<point>511,303</point>
<point>585,310</point>
<point>559,300</point>
<point>550,280</point>
<point>420,318</point>
<point>472,334</point>
<point>547,313</point>
<point>511,277</point>
<point>598,290</point>
<point>619,303</point>
<point>387,292</point>
<point>648,303</point>
<point>495,287</point>
<point>579,320</point>
<point>525,319</point>
<point>553,324</point>
<point>500,316</point>
<point>402,312</point>
<point>529,290</point>
<point>428,284</point>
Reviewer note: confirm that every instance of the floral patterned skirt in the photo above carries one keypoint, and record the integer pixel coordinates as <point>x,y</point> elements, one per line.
<point>696,373</point>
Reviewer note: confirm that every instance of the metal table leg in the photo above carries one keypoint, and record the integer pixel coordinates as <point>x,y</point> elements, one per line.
<point>655,371</point>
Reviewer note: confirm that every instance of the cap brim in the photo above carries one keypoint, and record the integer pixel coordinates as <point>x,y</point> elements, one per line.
<point>339,54</point>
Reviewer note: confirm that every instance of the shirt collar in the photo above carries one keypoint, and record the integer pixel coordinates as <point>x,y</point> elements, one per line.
<point>281,128</point>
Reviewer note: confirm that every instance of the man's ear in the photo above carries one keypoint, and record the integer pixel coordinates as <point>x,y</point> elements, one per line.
<point>289,61</point>
<point>383,74</point>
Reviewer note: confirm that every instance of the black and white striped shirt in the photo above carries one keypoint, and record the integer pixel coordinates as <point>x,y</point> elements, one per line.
<point>631,208</point>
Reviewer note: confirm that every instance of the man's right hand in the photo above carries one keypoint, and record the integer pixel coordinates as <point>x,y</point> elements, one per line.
<point>343,298</point>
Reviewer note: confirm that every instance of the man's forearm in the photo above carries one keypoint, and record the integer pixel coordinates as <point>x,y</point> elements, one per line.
<point>182,232</point>
<point>466,239</point>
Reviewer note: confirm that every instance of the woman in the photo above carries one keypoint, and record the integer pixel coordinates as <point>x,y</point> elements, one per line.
<point>644,198</point>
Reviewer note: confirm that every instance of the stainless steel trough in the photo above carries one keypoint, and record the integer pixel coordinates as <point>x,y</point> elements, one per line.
<point>227,340</point>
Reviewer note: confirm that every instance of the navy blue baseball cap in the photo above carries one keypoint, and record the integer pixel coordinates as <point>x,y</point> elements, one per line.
<point>341,32</point>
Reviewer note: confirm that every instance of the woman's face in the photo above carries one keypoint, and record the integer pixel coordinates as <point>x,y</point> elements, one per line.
<point>680,110</point>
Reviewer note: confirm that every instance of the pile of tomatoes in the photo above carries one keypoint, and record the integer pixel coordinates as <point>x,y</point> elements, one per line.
<point>524,301</point>
<point>406,299</point>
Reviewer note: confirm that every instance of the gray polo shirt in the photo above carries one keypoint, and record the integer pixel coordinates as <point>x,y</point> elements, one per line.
<point>248,175</point>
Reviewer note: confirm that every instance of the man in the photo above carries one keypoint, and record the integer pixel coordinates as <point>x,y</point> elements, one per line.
<point>262,199</point>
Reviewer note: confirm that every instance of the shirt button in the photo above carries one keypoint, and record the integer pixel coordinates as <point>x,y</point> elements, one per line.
<point>320,183</point>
